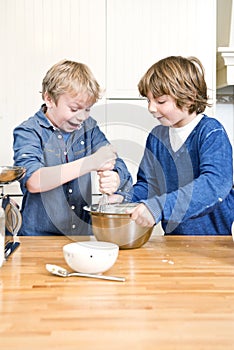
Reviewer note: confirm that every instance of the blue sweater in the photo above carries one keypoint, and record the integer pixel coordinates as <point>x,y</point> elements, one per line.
<point>191,190</point>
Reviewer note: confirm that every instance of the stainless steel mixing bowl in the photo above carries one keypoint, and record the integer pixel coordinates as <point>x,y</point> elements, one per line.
<point>115,225</point>
<point>9,174</point>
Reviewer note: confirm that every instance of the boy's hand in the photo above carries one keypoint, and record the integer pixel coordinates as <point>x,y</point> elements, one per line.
<point>109,181</point>
<point>142,216</point>
<point>104,158</point>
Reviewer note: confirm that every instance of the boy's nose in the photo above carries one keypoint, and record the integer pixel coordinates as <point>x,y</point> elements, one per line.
<point>152,107</point>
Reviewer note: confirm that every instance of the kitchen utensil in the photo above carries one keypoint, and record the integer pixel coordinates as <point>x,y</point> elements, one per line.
<point>13,216</point>
<point>115,225</point>
<point>90,256</point>
<point>10,247</point>
<point>9,174</point>
<point>60,271</point>
<point>103,203</point>
<point>233,230</point>
<point>13,221</point>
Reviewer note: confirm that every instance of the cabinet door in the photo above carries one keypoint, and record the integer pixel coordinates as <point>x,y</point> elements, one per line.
<point>141,32</point>
<point>128,124</point>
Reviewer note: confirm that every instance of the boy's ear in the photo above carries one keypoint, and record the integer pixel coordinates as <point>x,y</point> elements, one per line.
<point>48,100</point>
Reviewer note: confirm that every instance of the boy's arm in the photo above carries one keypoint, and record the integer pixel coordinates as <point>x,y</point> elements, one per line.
<point>47,178</point>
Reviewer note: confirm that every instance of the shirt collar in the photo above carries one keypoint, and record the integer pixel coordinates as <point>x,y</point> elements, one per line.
<point>43,120</point>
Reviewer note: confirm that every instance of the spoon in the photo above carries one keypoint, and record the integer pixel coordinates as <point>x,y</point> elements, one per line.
<point>60,271</point>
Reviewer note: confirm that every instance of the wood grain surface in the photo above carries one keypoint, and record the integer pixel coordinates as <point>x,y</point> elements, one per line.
<point>178,294</point>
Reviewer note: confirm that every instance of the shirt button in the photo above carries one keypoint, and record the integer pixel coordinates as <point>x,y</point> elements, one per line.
<point>70,190</point>
<point>73,226</point>
<point>73,207</point>
<point>82,142</point>
<point>60,137</point>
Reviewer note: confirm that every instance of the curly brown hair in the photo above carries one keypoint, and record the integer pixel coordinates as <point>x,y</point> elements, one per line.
<point>179,77</point>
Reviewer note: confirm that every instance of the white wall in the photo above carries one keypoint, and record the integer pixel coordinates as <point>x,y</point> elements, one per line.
<point>35,34</point>
<point>118,39</point>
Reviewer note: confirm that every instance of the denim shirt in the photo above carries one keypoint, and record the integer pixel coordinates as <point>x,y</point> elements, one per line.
<point>190,190</point>
<point>38,144</point>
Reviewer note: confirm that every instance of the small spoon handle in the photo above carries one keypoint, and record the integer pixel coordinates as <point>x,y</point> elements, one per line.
<point>103,277</point>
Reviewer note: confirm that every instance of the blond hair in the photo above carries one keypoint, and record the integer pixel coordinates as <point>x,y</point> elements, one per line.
<point>181,78</point>
<point>70,77</point>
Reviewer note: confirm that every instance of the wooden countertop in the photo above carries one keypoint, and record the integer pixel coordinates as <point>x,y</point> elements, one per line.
<point>178,294</point>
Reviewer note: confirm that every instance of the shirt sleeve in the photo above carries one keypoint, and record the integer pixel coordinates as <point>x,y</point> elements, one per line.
<point>27,151</point>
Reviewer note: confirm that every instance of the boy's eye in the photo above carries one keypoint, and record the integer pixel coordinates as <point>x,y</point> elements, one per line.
<point>74,110</point>
<point>161,102</point>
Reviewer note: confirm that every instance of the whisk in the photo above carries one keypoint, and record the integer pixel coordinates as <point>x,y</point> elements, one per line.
<point>103,203</point>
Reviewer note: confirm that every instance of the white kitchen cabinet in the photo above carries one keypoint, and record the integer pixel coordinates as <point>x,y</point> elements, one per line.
<point>141,32</point>
<point>127,124</point>
<point>117,39</point>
